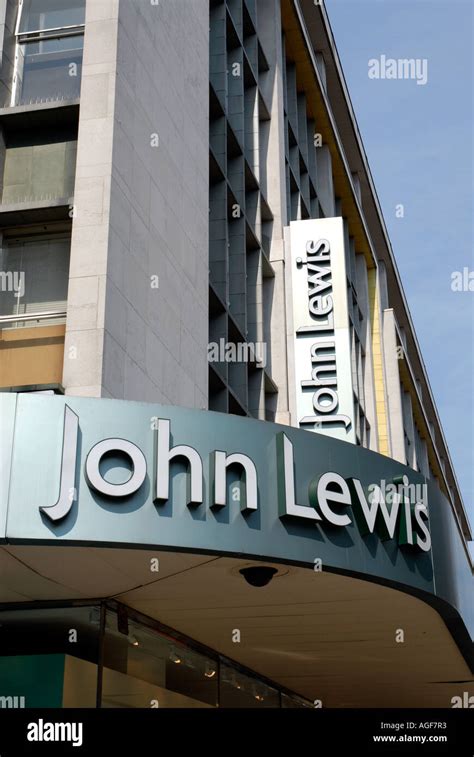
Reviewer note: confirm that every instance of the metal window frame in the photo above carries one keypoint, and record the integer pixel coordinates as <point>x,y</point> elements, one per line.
<point>25,38</point>
<point>41,316</point>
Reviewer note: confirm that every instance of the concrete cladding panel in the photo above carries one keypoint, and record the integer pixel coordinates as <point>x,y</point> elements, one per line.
<point>144,105</point>
<point>158,271</point>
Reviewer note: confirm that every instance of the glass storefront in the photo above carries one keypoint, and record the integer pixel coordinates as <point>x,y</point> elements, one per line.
<point>143,668</point>
<point>107,656</point>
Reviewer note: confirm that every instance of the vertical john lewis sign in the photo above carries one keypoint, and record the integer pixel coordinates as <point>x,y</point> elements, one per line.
<point>320,359</point>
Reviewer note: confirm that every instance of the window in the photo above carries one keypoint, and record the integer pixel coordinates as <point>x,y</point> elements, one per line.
<point>39,164</point>
<point>47,15</point>
<point>48,61</point>
<point>34,280</point>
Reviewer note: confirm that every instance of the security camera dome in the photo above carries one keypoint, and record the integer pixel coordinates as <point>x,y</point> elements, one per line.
<point>258,575</point>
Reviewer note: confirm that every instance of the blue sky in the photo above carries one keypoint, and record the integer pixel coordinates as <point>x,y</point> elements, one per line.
<point>419,143</point>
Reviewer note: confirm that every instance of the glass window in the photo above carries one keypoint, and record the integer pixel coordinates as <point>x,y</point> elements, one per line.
<point>143,668</point>
<point>34,281</point>
<point>52,70</point>
<point>40,15</point>
<point>49,51</point>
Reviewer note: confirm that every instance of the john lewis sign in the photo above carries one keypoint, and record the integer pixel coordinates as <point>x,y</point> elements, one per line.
<point>319,358</point>
<point>109,473</point>
<point>333,500</point>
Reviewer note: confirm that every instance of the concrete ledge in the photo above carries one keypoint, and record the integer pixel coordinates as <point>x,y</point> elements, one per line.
<point>44,211</point>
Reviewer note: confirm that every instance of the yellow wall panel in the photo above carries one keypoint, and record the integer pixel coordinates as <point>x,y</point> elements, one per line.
<point>30,356</point>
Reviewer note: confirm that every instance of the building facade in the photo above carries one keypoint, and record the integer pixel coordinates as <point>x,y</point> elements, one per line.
<point>190,233</point>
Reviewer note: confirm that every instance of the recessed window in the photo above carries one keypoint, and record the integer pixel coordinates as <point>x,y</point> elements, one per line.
<point>39,165</point>
<point>50,36</point>
<point>34,281</point>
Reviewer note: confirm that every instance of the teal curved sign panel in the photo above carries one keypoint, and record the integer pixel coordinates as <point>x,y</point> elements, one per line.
<point>110,472</point>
